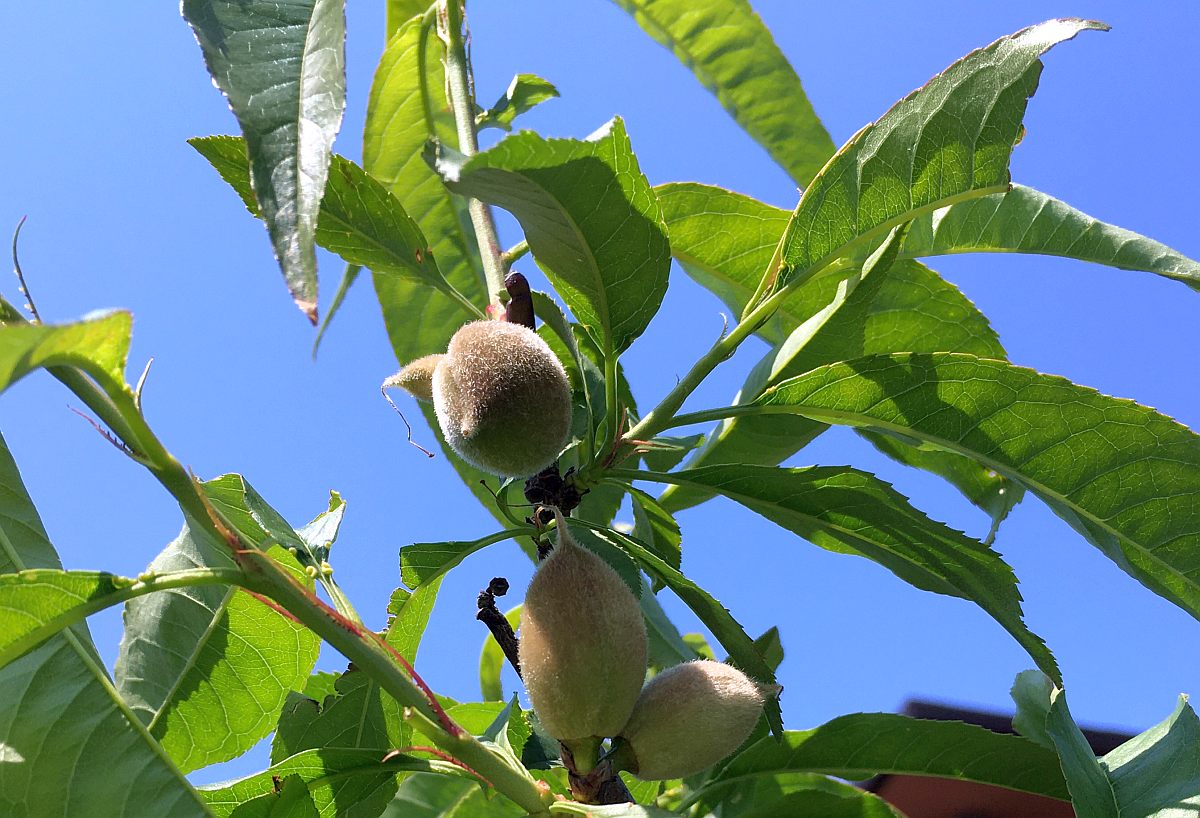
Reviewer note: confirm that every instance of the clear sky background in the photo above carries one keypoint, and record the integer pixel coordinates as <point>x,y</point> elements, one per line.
<point>99,98</point>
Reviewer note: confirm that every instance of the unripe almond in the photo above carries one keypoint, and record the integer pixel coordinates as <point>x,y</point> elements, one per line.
<point>583,644</point>
<point>502,399</point>
<point>688,718</point>
<point>416,378</point>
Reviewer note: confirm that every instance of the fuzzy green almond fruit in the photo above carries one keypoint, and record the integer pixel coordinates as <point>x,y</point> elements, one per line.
<point>583,645</point>
<point>502,399</point>
<point>687,719</point>
<point>416,378</point>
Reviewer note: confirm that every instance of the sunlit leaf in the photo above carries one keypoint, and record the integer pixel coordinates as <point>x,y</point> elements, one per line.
<point>282,68</point>
<point>524,93</point>
<point>1155,774</point>
<point>655,526</point>
<point>340,781</point>
<point>439,796</point>
<point>1024,220</point>
<point>591,219</point>
<point>733,54</point>
<point>360,219</point>
<point>1122,475</point>
<point>848,511</point>
<point>406,106</point>
<point>101,754</point>
<point>423,562</point>
<point>803,795</point>
<point>948,141</point>
<point>208,668</point>
<point>862,745</point>
<point>908,308</point>
<point>97,344</point>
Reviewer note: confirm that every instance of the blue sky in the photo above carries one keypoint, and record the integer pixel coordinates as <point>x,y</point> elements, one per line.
<point>99,99</point>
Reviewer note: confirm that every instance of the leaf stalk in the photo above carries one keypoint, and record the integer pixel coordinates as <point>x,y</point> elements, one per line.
<point>451,23</point>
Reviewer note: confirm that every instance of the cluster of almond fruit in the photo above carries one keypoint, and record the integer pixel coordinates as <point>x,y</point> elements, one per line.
<point>503,402</point>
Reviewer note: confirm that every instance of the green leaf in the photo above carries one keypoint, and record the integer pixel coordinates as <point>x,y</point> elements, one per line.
<point>1155,774</point>
<point>524,93</point>
<point>512,729</point>
<point>407,105</point>
<point>851,512</point>
<point>400,12</point>
<point>608,257</point>
<point>1167,754</point>
<point>477,717</point>
<point>996,494</point>
<point>1024,220</point>
<point>909,308</point>
<point>667,647</point>
<point>208,668</point>
<point>587,380</point>
<point>101,753</point>
<point>438,796</point>
<point>356,712</point>
<point>655,526</point>
<point>947,142</point>
<point>725,241</point>
<point>340,781</point>
<point>1122,475</point>
<point>643,792</point>
<point>98,344</point>
<point>862,745</point>
<point>360,219</point>
<point>282,68</point>
<point>492,661</point>
<point>424,562</point>
<point>348,278</point>
<point>355,715</point>
<point>715,616</point>
<point>290,799</point>
<point>800,795</point>
<point>770,645</point>
<point>38,603</point>
<point>410,612</point>
<point>733,54</point>
<point>320,684</point>
<point>321,533</point>
<point>814,797</point>
<point>665,452</point>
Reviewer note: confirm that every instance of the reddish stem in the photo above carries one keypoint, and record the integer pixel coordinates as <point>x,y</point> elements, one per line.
<point>442,754</point>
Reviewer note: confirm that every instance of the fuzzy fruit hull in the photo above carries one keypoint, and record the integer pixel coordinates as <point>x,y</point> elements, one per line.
<point>502,399</point>
<point>583,645</point>
<point>689,717</point>
<point>417,377</point>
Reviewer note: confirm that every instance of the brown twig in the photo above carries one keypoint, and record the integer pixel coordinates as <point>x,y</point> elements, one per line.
<point>497,623</point>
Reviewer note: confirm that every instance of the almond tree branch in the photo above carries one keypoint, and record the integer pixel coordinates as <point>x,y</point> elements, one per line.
<point>462,102</point>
